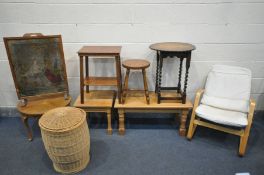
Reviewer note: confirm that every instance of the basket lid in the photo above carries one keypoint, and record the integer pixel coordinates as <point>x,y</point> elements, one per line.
<point>62,119</point>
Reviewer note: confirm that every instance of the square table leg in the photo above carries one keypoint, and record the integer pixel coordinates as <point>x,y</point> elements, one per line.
<point>87,71</point>
<point>119,78</point>
<point>125,90</point>
<point>81,80</point>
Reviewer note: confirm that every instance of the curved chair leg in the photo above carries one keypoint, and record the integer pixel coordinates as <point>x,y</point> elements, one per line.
<point>243,145</point>
<point>244,138</point>
<point>25,122</point>
<point>192,126</point>
<point>191,131</point>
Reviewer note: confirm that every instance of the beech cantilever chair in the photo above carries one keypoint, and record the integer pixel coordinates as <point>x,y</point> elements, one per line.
<point>225,105</point>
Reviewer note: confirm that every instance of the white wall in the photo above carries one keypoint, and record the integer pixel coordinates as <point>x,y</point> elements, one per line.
<point>224,32</point>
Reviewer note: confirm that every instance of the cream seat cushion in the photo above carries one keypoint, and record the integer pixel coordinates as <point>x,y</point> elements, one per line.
<point>226,117</point>
<point>228,87</point>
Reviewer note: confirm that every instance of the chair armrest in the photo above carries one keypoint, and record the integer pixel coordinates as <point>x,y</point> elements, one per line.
<point>198,95</point>
<point>252,105</point>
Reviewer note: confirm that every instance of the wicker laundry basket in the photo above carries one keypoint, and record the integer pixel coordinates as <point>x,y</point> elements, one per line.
<point>66,138</point>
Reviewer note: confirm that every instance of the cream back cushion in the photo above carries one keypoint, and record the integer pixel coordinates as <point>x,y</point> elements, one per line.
<point>228,87</point>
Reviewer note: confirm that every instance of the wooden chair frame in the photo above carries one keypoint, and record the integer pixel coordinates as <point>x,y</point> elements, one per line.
<point>243,133</point>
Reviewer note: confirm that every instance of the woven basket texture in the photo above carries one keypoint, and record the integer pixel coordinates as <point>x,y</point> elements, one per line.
<point>66,138</point>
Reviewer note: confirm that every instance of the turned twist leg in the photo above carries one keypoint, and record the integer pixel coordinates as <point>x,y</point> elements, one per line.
<point>188,61</point>
<point>159,78</point>
<point>157,72</point>
<point>180,74</point>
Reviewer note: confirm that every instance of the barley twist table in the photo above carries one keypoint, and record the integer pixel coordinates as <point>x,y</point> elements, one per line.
<point>175,50</point>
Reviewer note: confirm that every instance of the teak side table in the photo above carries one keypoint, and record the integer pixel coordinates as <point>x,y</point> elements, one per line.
<point>175,50</point>
<point>105,51</point>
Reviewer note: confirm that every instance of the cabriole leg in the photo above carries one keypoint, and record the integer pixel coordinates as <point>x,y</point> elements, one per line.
<point>28,129</point>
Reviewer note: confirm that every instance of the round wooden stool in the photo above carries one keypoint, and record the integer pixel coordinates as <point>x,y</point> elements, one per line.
<point>135,64</point>
<point>66,138</point>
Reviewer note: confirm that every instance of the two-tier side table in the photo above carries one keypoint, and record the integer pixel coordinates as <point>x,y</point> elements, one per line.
<point>99,52</point>
<point>175,50</point>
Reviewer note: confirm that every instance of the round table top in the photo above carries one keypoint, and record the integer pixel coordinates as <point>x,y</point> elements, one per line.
<point>62,119</point>
<point>172,47</point>
<point>136,64</point>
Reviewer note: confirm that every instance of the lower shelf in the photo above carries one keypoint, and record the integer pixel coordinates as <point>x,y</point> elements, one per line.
<point>101,81</point>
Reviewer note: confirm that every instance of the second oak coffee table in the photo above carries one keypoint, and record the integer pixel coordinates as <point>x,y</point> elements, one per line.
<point>135,103</point>
<point>99,52</point>
<point>175,50</point>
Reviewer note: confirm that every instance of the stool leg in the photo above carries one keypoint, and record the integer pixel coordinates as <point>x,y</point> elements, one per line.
<point>125,86</point>
<point>145,85</point>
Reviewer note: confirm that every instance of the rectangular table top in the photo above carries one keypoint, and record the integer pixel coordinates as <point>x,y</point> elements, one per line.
<point>100,50</point>
<point>97,99</point>
<point>137,100</point>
